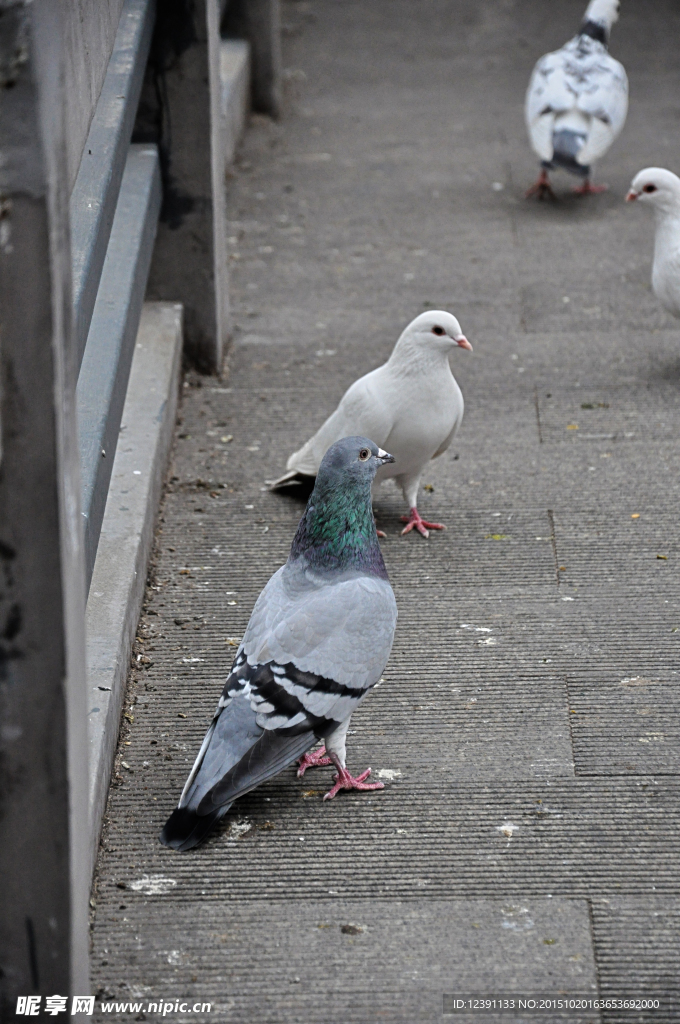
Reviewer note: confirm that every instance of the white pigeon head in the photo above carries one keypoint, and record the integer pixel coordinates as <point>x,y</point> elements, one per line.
<point>658,187</point>
<point>602,12</point>
<point>437,329</point>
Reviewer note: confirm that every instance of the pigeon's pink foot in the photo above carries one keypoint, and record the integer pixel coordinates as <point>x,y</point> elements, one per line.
<point>415,521</point>
<point>317,759</point>
<point>343,780</point>
<point>588,189</point>
<point>380,532</point>
<point>541,188</point>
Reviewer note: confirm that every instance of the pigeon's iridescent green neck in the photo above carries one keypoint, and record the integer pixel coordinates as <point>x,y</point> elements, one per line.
<point>337,530</point>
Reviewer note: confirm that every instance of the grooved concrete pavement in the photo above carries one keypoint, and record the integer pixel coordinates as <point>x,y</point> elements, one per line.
<point>527,726</point>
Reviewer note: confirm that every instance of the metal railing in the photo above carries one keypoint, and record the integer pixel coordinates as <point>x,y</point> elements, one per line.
<point>114,210</point>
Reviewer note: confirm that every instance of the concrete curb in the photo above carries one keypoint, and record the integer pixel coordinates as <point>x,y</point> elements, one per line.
<point>119,575</point>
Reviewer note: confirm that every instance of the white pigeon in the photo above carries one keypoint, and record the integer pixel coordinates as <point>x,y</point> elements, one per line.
<point>577,101</point>
<point>661,189</point>
<point>411,406</point>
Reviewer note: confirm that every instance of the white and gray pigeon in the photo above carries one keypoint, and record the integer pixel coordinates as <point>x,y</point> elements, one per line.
<point>411,405</point>
<point>661,190</point>
<point>318,639</point>
<point>577,101</point>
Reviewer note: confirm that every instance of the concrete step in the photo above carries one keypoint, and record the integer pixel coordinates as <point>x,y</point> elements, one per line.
<point>120,569</point>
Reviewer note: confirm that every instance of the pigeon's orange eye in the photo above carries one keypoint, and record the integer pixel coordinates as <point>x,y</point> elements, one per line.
<point>649,188</point>
<point>438,330</point>
<point>365,454</point>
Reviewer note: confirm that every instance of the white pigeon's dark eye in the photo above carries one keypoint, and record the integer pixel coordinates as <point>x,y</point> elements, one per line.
<point>649,188</point>
<point>438,330</point>
<point>365,454</point>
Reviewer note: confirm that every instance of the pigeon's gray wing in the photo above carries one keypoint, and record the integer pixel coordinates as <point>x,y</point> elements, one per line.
<point>312,650</point>
<point>235,757</point>
<point>341,628</point>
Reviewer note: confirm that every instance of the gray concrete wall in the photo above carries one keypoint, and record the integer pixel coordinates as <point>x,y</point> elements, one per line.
<point>43,726</point>
<point>259,21</point>
<point>185,122</point>
<point>89,28</point>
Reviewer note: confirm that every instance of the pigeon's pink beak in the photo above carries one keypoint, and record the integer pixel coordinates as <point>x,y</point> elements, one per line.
<point>464,343</point>
<point>632,195</point>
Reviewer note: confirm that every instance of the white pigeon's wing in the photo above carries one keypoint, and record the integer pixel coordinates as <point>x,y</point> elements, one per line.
<point>308,458</point>
<point>362,411</point>
<point>604,97</point>
<point>452,433</point>
<point>447,441</point>
<point>666,277</point>
<point>600,138</point>
<point>541,136</point>
<point>549,93</point>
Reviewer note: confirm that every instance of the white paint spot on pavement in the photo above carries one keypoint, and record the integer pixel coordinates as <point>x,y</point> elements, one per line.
<point>153,885</point>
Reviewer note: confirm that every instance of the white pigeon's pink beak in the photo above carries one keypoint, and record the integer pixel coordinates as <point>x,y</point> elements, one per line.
<point>632,195</point>
<point>464,343</point>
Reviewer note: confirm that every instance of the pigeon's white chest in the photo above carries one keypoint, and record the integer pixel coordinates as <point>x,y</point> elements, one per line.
<point>429,413</point>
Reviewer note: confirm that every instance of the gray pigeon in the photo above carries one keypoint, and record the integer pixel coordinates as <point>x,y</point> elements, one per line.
<point>318,639</point>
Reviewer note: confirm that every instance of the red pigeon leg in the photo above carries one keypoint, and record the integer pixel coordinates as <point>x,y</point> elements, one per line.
<point>421,525</point>
<point>343,780</point>
<point>588,189</point>
<point>541,188</point>
<point>317,759</point>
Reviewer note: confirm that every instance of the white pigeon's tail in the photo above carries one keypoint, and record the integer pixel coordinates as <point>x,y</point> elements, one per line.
<point>602,12</point>
<point>290,479</point>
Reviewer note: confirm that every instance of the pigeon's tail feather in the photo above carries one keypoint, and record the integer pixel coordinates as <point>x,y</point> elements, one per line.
<point>272,752</point>
<point>290,479</point>
<point>185,829</point>
<point>190,823</point>
<point>567,149</point>
<point>188,826</point>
